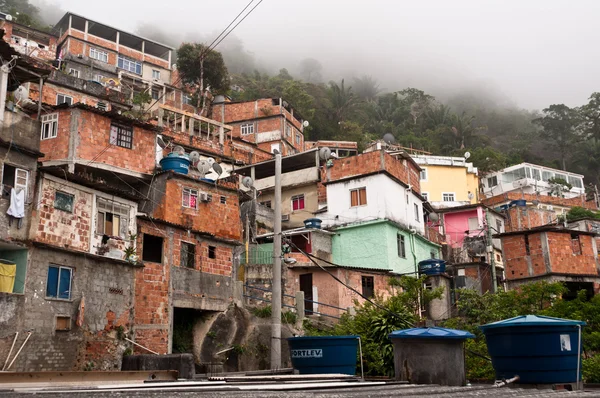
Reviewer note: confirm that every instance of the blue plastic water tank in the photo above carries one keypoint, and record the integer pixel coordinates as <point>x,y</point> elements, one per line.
<point>324,354</point>
<point>312,223</point>
<point>518,202</point>
<point>177,163</point>
<point>432,266</point>
<point>539,349</point>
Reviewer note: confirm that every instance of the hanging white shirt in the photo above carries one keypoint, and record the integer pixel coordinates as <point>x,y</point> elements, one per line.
<point>17,203</point>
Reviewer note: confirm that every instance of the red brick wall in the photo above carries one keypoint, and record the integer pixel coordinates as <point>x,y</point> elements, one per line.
<point>222,220</point>
<point>93,139</point>
<point>51,90</point>
<point>519,218</point>
<point>152,296</point>
<point>371,162</point>
<point>562,258</point>
<point>221,265</point>
<point>61,228</point>
<point>551,200</point>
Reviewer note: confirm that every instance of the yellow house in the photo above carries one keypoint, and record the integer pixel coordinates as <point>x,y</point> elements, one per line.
<point>448,181</point>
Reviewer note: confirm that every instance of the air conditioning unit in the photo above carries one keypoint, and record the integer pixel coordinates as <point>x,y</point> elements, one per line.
<point>205,197</point>
<point>285,217</point>
<point>550,207</point>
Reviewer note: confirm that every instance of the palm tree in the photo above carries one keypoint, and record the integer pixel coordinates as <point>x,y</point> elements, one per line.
<point>343,100</point>
<point>366,88</point>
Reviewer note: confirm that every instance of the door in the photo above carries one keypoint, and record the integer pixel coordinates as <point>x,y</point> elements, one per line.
<point>306,287</point>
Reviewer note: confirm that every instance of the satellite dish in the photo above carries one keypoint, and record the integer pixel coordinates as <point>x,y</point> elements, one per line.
<point>210,161</point>
<point>203,166</point>
<point>217,168</point>
<point>305,123</point>
<point>467,155</point>
<point>194,157</point>
<point>334,155</point>
<point>470,196</point>
<point>389,138</point>
<point>434,217</point>
<point>179,150</point>
<point>324,153</point>
<point>161,143</point>
<point>247,182</point>
<point>276,151</point>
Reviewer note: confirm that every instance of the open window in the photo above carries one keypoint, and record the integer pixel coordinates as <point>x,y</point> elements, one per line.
<point>58,284</point>
<point>14,177</point>
<point>188,255</point>
<point>153,249</point>
<point>112,218</point>
<point>368,286</point>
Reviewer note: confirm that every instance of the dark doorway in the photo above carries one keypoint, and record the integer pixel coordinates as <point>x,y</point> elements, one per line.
<point>306,287</point>
<point>184,320</point>
<point>575,287</point>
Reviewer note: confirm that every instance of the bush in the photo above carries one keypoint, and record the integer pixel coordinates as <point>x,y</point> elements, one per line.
<point>590,369</point>
<point>262,312</point>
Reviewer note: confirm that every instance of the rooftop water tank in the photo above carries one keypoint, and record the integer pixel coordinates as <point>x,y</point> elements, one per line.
<point>176,162</point>
<point>538,349</point>
<point>430,355</point>
<point>432,266</point>
<point>312,223</point>
<point>324,354</point>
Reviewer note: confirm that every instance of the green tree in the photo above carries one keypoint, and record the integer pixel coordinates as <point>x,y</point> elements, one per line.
<point>559,126</point>
<point>343,100</point>
<point>201,67</point>
<point>310,70</point>
<point>366,88</point>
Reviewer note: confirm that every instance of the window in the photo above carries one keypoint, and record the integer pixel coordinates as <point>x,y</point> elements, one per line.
<point>368,286</point>
<point>112,218</point>
<point>152,250</point>
<point>98,78</point>
<point>189,198</point>
<point>14,177</point>
<point>401,246</point>
<point>63,201</point>
<point>212,252</point>
<point>498,257</point>
<point>49,126</point>
<point>576,182</point>
<point>546,175</point>
<point>223,200</point>
<point>121,136</point>
<point>424,175</point>
<point>428,286</point>
<point>298,139</point>
<point>448,196</point>
<point>492,181</point>
<point>98,54</point>
<point>155,74</point>
<point>416,212</point>
<point>266,203</point>
<point>64,99</point>
<point>63,323</point>
<point>575,244</point>
<point>473,223</point>
<point>155,94</point>
<point>288,130</point>
<point>358,197</point>
<point>129,65</point>
<point>188,255</point>
<point>73,72</point>
<point>59,281</point>
<point>526,241</point>
<point>499,227</point>
<point>425,196</point>
<point>298,202</point>
<point>247,128</point>
<point>102,106</point>
<point>461,272</point>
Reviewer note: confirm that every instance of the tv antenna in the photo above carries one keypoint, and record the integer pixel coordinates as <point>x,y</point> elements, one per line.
<point>203,167</point>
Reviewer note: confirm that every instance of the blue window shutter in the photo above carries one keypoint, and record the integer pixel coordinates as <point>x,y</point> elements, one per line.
<point>64,290</point>
<point>52,284</point>
<point>138,68</point>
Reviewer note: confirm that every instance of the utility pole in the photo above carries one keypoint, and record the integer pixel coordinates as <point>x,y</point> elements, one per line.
<point>491,251</point>
<point>276,298</point>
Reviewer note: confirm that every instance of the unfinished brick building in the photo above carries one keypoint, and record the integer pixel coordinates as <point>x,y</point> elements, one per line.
<point>552,253</point>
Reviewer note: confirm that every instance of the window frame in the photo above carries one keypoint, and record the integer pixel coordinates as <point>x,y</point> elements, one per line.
<point>97,77</point>
<point>108,207</point>
<point>247,128</point>
<point>298,139</point>
<point>367,284</point>
<point>359,197</point>
<point>51,120</point>
<point>156,74</point>
<point>118,136</point>
<point>425,196</point>
<point>401,243</point>
<point>70,102</point>
<point>212,252</point>
<point>74,72</point>
<point>185,249</point>
<point>266,203</point>
<point>448,193</point>
<point>298,198</point>
<point>223,200</point>
<point>101,55</point>
<point>416,207</point>
<point>423,170</point>
<point>58,292</point>
<point>126,64</point>
<point>191,193</point>
<point>16,185</point>
<point>65,194</point>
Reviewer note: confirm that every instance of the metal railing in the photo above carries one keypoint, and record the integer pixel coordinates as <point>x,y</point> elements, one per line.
<point>246,286</point>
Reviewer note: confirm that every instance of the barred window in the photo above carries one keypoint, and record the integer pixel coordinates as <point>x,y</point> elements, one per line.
<point>121,136</point>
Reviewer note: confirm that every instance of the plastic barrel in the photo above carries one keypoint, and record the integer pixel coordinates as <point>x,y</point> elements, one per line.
<point>178,164</point>
<point>312,223</point>
<point>432,266</point>
<point>324,354</point>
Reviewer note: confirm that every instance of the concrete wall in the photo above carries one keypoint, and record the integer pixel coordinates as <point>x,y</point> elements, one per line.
<point>311,204</point>
<point>385,199</point>
<point>449,179</point>
<point>440,309</point>
<point>108,289</point>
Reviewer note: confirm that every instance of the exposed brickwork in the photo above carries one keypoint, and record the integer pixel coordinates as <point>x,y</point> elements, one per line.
<point>519,218</point>
<point>23,32</point>
<point>374,162</point>
<point>222,264</point>
<point>550,200</point>
<point>549,252</point>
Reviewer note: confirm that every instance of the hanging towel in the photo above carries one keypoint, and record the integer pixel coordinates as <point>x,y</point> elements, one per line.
<point>8,272</point>
<point>17,203</point>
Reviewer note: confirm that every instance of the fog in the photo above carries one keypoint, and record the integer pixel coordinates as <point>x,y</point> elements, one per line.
<point>527,53</point>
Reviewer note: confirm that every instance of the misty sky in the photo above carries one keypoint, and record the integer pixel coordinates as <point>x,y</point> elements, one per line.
<point>532,53</point>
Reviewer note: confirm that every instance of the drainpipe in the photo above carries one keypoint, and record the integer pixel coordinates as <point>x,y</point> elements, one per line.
<point>412,246</point>
<point>491,243</point>
<point>578,353</point>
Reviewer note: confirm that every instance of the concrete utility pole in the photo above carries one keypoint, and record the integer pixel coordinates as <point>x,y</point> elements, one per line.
<point>491,251</point>
<point>276,299</point>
